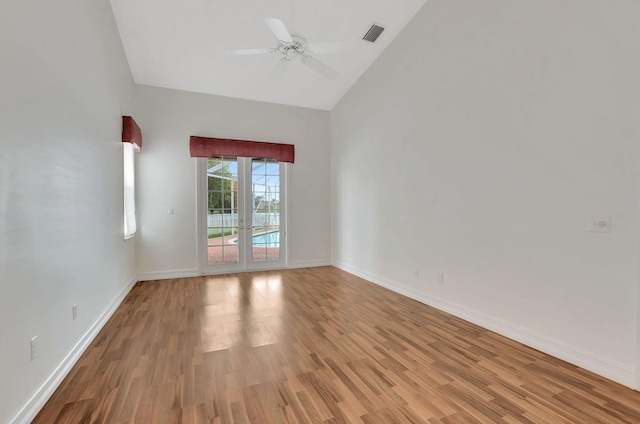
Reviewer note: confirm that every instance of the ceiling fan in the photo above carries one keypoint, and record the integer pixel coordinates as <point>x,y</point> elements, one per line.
<point>295,47</point>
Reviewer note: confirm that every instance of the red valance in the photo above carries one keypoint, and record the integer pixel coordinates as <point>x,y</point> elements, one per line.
<point>131,133</point>
<point>205,147</point>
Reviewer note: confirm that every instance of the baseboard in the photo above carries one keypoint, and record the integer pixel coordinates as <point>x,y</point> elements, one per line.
<point>559,349</point>
<point>186,273</point>
<point>42,395</point>
<point>309,264</point>
<point>165,275</point>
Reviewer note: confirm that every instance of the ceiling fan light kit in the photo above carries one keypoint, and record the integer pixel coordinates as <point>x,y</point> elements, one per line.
<point>294,49</point>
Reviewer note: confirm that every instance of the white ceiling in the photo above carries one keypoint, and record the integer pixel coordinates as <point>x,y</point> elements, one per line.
<point>182,44</point>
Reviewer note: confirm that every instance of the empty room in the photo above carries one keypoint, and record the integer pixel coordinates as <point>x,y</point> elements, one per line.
<point>279,211</point>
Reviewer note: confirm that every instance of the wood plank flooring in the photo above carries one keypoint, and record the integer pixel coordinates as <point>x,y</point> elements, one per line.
<point>316,345</point>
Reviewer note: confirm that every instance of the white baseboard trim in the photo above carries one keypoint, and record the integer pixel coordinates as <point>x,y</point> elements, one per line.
<point>165,275</point>
<point>577,356</point>
<point>309,264</point>
<point>29,411</point>
<point>186,273</point>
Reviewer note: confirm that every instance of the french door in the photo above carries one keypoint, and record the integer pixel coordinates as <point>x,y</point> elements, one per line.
<point>242,220</point>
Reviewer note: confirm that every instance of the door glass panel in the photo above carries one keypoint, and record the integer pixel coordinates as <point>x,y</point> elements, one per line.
<point>222,212</point>
<point>265,216</point>
<point>245,206</point>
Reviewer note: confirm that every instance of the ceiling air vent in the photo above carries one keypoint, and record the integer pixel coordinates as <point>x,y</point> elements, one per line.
<point>373,33</point>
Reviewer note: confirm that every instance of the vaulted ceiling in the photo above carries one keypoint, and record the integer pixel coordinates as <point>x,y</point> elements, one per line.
<point>185,45</point>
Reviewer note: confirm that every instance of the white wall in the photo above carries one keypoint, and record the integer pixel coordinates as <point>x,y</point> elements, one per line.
<point>478,145</point>
<point>64,85</point>
<point>167,244</point>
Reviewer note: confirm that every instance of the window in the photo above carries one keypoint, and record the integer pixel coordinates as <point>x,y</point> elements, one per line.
<point>129,191</point>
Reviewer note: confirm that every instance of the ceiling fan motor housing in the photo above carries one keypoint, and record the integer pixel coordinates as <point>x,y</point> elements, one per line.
<point>295,49</point>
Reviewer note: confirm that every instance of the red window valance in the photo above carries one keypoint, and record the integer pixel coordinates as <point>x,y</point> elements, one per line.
<point>131,133</point>
<point>205,147</point>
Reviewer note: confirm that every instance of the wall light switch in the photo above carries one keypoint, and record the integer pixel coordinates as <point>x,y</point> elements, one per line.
<point>170,210</point>
<point>599,224</point>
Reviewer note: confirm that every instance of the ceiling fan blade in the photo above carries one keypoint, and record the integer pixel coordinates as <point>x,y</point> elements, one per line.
<point>242,52</point>
<point>330,47</point>
<point>279,70</point>
<point>319,67</point>
<point>278,28</point>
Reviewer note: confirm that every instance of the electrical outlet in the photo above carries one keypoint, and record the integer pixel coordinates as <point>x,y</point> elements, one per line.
<point>34,347</point>
<point>74,311</point>
<point>440,278</point>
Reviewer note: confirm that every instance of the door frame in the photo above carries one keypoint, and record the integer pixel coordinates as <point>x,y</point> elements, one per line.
<point>246,265</point>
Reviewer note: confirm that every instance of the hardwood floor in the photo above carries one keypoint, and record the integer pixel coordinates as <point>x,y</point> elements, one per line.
<point>316,346</point>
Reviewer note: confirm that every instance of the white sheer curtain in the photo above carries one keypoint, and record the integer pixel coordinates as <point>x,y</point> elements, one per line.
<point>129,191</point>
